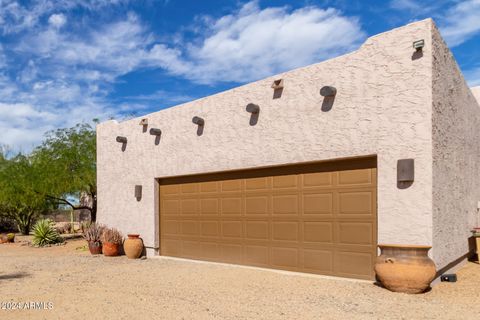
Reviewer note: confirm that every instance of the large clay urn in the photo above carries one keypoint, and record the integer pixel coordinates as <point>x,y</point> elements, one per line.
<point>133,246</point>
<point>405,268</point>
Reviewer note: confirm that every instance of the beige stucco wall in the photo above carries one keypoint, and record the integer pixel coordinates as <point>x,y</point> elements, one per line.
<point>456,157</point>
<point>382,107</point>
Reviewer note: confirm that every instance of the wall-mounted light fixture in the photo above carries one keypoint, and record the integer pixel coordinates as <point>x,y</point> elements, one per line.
<point>405,170</point>
<point>155,132</point>
<point>328,91</point>
<point>121,139</point>
<point>198,121</point>
<point>418,45</point>
<point>138,192</point>
<point>253,108</point>
<point>277,84</point>
<point>144,122</point>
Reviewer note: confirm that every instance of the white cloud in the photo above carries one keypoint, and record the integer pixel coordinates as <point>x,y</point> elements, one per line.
<point>66,75</point>
<point>253,43</point>
<point>57,20</point>
<point>461,22</point>
<point>17,16</point>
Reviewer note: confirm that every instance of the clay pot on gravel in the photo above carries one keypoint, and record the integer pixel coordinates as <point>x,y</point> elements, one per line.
<point>11,237</point>
<point>405,268</point>
<point>111,249</point>
<point>3,238</point>
<point>95,247</point>
<point>133,246</point>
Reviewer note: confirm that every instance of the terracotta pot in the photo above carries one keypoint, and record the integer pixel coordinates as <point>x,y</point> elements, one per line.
<point>3,238</point>
<point>133,246</point>
<point>11,237</point>
<point>95,247</point>
<point>404,268</point>
<point>111,249</point>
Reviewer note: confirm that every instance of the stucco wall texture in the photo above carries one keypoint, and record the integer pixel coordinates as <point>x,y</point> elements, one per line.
<point>456,156</point>
<point>383,107</point>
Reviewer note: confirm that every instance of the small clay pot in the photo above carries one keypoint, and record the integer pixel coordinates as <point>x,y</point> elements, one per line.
<point>111,249</point>
<point>95,247</point>
<point>11,237</point>
<point>3,238</point>
<point>405,268</point>
<point>133,246</point>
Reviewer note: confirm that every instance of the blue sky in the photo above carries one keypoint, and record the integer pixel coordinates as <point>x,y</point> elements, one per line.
<point>63,62</point>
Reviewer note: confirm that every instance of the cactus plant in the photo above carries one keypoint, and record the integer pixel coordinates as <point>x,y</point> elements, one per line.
<point>44,233</point>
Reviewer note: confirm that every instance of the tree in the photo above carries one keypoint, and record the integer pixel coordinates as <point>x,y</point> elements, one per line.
<point>67,161</point>
<point>18,197</point>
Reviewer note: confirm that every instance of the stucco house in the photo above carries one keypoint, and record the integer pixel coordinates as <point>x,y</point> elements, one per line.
<point>310,169</point>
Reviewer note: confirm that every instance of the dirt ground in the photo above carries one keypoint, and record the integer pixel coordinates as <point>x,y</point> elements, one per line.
<point>80,286</point>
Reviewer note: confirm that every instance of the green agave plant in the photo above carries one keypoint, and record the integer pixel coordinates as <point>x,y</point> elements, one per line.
<point>44,233</point>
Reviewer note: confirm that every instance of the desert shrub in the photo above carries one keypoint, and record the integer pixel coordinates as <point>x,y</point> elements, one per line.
<point>112,235</point>
<point>44,233</point>
<point>94,232</point>
<point>7,224</point>
<point>84,226</point>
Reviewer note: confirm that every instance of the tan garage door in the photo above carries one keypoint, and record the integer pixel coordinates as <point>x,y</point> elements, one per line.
<point>317,218</point>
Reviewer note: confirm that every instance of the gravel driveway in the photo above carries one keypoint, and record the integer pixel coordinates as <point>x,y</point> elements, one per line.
<point>82,286</point>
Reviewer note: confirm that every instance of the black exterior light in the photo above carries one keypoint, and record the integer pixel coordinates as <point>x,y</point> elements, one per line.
<point>138,192</point>
<point>121,139</point>
<point>198,121</point>
<point>155,132</point>
<point>405,170</point>
<point>418,45</point>
<point>328,91</point>
<point>253,108</point>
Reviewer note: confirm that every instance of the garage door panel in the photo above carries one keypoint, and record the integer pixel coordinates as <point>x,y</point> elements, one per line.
<point>285,204</point>
<point>256,255</point>
<point>318,260</point>
<point>320,222</point>
<point>210,250</point>
<point>257,184</point>
<point>358,233</point>
<point>354,264</point>
<point>257,205</point>
<point>171,227</point>
<point>257,230</point>
<point>285,182</point>
<point>231,185</point>
<point>355,177</point>
<point>319,179</point>
<point>231,206</point>
<point>284,257</point>
<point>318,203</point>
<point>232,229</point>
<point>209,187</point>
<point>356,202</point>
<point>189,227</point>
<point>210,228</point>
<point>188,206</point>
<point>189,188</point>
<point>318,232</point>
<point>285,230</point>
<point>191,249</point>
<point>232,253</point>
<point>209,206</point>
<point>170,206</point>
